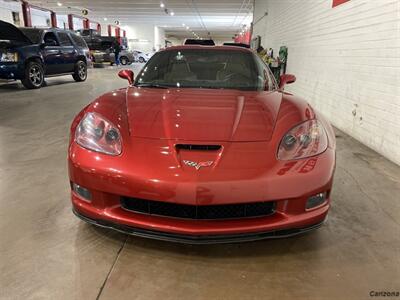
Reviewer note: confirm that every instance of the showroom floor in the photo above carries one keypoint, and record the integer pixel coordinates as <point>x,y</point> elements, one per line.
<point>47,253</point>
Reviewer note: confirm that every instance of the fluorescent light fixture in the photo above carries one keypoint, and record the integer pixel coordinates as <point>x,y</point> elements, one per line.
<point>172,13</point>
<point>59,3</point>
<point>162,5</point>
<point>105,19</point>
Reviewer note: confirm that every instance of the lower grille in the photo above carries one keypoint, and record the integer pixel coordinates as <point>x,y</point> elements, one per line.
<point>198,212</point>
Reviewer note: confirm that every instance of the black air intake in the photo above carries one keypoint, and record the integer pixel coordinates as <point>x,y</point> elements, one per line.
<point>193,147</point>
<point>198,212</point>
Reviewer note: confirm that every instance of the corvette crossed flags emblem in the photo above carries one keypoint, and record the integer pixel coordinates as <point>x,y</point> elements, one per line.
<point>198,165</point>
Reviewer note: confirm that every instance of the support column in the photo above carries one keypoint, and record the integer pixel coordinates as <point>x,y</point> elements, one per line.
<point>109,30</point>
<point>26,13</point>
<point>71,22</point>
<point>53,17</point>
<point>99,28</point>
<point>86,24</point>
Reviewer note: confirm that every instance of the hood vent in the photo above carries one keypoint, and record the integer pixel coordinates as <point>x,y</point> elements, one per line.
<point>194,147</point>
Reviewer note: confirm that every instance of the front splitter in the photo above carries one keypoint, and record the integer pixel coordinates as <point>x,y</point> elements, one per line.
<point>198,239</point>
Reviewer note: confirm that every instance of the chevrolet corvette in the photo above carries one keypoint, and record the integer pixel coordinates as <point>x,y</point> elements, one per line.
<point>203,146</point>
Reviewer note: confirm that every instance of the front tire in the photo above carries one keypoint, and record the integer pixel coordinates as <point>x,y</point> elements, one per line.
<point>34,75</point>
<point>141,60</point>
<point>80,71</point>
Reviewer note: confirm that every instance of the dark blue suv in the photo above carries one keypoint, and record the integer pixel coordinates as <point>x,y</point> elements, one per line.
<point>31,54</point>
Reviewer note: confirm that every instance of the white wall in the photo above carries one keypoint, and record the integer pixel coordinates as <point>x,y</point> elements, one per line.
<point>175,41</point>
<point>104,29</point>
<point>78,23</point>
<point>140,36</point>
<point>6,9</point>
<point>221,40</point>
<point>346,60</point>
<point>93,25</point>
<point>40,18</point>
<point>62,21</point>
<point>159,38</point>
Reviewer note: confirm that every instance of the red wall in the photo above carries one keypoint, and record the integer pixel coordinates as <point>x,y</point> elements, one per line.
<point>244,39</point>
<point>338,2</point>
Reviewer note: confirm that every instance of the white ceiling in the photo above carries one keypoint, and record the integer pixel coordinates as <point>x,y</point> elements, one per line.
<point>219,17</point>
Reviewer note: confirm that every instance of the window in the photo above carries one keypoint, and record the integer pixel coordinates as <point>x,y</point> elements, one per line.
<point>64,39</point>
<point>79,42</point>
<point>212,69</point>
<point>16,19</point>
<point>265,76</point>
<point>50,39</point>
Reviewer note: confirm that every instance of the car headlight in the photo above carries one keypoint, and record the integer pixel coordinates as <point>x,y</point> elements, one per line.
<point>9,57</point>
<point>96,133</point>
<point>304,140</point>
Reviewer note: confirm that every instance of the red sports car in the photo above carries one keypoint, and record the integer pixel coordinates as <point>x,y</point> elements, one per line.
<point>204,147</point>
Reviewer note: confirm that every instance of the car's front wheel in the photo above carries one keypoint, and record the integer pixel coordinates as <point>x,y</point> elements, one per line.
<point>124,60</point>
<point>34,75</point>
<point>80,71</point>
<point>141,59</point>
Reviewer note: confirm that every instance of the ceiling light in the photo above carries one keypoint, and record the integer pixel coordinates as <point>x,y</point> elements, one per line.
<point>105,19</point>
<point>162,5</point>
<point>59,3</point>
<point>183,24</point>
<point>172,13</point>
<point>187,27</point>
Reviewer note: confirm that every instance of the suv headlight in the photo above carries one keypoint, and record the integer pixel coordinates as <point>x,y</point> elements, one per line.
<point>96,133</point>
<point>9,57</point>
<point>304,140</point>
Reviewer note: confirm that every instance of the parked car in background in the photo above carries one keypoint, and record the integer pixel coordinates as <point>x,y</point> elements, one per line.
<point>31,54</point>
<point>88,33</point>
<point>126,57</point>
<point>141,56</point>
<point>104,53</point>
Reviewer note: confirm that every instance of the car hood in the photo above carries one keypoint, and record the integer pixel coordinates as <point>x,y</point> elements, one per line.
<point>202,114</point>
<point>12,33</point>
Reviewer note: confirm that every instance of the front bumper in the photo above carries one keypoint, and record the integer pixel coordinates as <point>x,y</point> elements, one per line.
<point>10,71</point>
<point>199,239</point>
<point>147,171</point>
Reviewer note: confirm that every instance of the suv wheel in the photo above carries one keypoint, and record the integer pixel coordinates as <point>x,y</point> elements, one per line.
<point>34,75</point>
<point>124,60</point>
<point>80,72</point>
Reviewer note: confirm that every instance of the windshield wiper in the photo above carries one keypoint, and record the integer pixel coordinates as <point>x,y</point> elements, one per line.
<point>153,85</point>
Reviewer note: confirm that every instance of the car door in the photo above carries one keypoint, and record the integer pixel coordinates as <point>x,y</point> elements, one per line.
<point>68,52</point>
<point>51,52</point>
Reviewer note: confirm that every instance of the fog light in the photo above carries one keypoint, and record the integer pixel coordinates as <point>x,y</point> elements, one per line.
<point>316,200</point>
<point>81,191</point>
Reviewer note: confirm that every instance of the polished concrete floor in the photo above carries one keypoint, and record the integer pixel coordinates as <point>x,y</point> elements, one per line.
<point>47,253</point>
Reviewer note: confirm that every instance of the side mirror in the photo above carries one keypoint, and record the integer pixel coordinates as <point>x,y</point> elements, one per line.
<point>128,75</point>
<point>286,79</point>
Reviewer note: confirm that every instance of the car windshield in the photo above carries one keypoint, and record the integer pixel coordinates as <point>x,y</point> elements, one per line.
<point>202,68</point>
<point>35,35</point>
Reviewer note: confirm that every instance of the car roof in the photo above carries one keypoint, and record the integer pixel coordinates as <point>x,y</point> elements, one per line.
<point>201,47</point>
<point>48,29</point>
